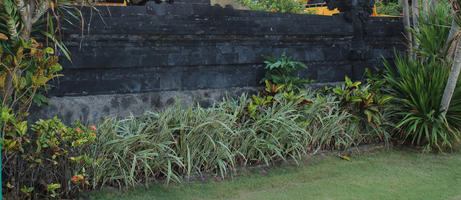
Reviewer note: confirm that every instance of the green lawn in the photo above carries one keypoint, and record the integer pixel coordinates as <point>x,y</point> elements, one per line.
<point>395,174</point>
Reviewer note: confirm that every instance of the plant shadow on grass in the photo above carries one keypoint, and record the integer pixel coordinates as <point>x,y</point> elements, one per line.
<point>400,173</point>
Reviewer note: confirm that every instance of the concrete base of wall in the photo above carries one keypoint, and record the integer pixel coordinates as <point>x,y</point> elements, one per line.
<point>94,108</point>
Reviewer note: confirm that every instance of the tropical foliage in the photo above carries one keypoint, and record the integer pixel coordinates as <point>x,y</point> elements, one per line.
<point>44,160</point>
<point>417,82</point>
<point>48,159</point>
<point>417,90</point>
<point>289,6</point>
<point>284,72</point>
<point>26,68</point>
<point>388,7</point>
<point>38,160</point>
<point>368,108</point>
<point>432,33</point>
<point>189,142</point>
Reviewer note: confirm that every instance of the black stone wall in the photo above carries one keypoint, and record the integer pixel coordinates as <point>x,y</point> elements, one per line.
<point>191,45</point>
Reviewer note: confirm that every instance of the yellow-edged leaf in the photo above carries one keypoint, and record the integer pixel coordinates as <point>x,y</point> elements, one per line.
<point>9,185</point>
<point>49,50</point>
<point>21,128</point>
<point>368,114</point>
<point>22,83</point>
<point>42,80</point>
<point>2,79</point>
<point>345,158</point>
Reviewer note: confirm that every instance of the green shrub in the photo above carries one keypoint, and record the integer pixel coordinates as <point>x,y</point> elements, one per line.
<point>366,105</point>
<point>432,33</point>
<point>280,71</point>
<point>28,167</point>
<point>384,7</point>
<point>417,84</point>
<point>417,88</point>
<point>49,161</point>
<point>37,160</point>
<point>25,70</point>
<point>275,5</point>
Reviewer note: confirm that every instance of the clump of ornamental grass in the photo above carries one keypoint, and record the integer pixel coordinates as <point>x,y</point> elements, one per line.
<point>182,142</point>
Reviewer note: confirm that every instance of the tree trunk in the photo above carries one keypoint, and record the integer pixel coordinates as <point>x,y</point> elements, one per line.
<point>27,19</point>
<point>452,79</point>
<point>415,15</point>
<point>25,34</point>
<point>451,38</point>
<point>425,6</point>
<point>433,5</point>
<point>406,24</point>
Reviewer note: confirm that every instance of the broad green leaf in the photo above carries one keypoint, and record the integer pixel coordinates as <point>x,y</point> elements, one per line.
<point>49,50</point>
<point>21,128</point>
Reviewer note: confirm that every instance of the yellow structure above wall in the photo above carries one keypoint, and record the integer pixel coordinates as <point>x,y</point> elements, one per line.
<point>311,8</point>
<point>322,9</point>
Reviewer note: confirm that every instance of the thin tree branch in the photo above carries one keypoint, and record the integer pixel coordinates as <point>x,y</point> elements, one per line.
<point>22,9</point>
<point>42,9</point>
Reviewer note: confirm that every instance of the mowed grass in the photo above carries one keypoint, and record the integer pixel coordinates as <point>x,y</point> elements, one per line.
<point>394,174</point>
